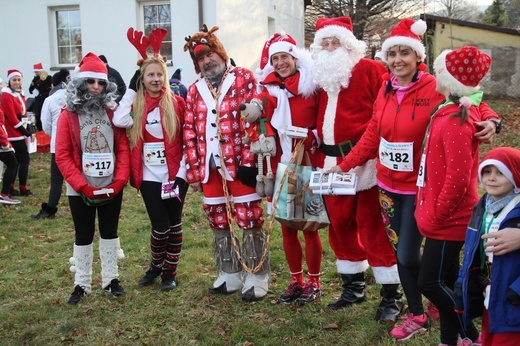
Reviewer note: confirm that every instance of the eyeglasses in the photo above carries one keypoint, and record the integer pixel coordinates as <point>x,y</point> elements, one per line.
<point>99,81</point>
<point>334,41</point>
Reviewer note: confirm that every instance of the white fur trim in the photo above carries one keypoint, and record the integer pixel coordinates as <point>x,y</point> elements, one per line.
<point>446,80</point>
<point>332,30</point>
<point>349,267</point>
<point>91,74</point>
<point>366,175</point>
<point>419,27</point>
<point>13,74</point>
<point>386,275</point>
<point>282,47</point>
<point>416,45</point>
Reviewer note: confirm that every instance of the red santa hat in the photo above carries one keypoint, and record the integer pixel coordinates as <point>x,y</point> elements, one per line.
<point>407,33</point>
<point>340,27</point>
<point>91,66</point>
<point>460,71</point>
<point>507,160</point>
<point>12,73</point>
<point>38,67</point>
<point>278,43</point>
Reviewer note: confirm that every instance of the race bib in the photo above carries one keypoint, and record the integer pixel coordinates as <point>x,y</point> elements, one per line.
<point>154,154</point>
<point>98,164</point>
<point>397,156</point>
<point>422,168</point>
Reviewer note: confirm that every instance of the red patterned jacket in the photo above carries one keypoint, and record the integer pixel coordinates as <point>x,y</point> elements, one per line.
<point>200,130</point>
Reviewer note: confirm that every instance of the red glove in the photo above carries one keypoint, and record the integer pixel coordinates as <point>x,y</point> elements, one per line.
<point>118,186</point>
<point>88,191</point>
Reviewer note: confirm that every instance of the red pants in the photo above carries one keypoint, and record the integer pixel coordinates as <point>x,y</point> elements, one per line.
<point>356,231</point>
<point>497,339</point>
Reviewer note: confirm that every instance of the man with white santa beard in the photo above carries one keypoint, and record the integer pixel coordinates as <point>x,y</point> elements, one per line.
<point>356,233</point>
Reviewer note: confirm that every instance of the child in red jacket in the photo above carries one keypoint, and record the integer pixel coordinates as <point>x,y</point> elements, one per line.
<point>447,182</point>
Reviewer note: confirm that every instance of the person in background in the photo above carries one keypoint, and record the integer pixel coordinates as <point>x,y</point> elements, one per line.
<point>215,161</point>
<point>115,76</point>
<point>356,232</point>
<point>292,99</point>
<point>41,86</point>
<point>394,133</point>
<point>175,84</point>
<point>14,107</point>
<point>379,56</point>
<point>94,158</point>
<point>51,110</point>
<point>447,182</point>
<point>156,127</point>
<point>8,158</point>
<point>495,297</point>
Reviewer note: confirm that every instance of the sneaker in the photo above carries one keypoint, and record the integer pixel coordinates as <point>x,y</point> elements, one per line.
<point>469,342</point>
<point>291,294</point>
<point>149,277</point>
<point>310,293</point>
<point>432,311</point>
<point>9,200</point>
<point>115,288</point>
<point>411,326</point>
<point>14,192</point>
<point>76,296</point>
<point>28,193</point>
<point>168,283</point>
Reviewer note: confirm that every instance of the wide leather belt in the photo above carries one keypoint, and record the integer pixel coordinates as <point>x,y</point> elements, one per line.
<point>339,150</point>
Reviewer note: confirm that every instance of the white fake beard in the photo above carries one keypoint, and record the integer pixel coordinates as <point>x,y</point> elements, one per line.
<point>332,70</point>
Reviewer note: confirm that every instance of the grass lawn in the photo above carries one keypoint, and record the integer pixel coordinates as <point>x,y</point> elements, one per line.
<point>35,284</point>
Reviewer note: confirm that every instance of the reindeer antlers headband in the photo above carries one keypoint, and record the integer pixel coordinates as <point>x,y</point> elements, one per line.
<point>141,42</point>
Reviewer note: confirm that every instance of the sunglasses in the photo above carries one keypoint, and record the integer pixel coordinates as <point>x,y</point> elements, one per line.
<point>99,81</point>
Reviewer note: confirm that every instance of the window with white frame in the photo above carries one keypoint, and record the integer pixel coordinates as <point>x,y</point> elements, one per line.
<point>158,15</point>
<point>68,35</point>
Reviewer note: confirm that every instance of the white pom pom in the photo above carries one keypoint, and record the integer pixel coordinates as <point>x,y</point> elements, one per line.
<point>72,269</point>
<point>72,260</point>
<point>465,102</point>
<point>419,27</point>
<point>120,253</point>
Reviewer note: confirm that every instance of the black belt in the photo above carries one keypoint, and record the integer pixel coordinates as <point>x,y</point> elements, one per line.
<point>340,150</point>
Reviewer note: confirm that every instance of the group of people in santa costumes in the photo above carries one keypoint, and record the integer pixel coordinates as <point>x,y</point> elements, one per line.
<point>336,116</point>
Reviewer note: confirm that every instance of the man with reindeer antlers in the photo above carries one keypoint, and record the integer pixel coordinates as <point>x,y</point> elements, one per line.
<point>220,165</point>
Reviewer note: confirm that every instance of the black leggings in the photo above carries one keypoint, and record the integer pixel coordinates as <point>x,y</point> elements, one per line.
<point>163,213</point>
<point>399,210</point>
<point>11,166</point>
<point>84,218</point>
<point>437,276</point>
<point>56,183</point>
<point>22,155</point>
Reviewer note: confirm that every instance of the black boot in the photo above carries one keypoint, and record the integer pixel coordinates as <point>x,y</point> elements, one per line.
<point>391,304</point>
<point>47,212</point>
<point>354,286</point>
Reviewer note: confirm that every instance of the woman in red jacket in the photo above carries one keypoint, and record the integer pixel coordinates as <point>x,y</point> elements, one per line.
<point>447,182</point>
<point>158,169</point>
<point>292,96</point>
<point>395,133</point>
<point>14,107</point>
<point>11,164</point>
<point>94,158</point>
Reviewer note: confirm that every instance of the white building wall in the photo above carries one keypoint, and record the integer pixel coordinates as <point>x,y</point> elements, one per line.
<point>28,34</point>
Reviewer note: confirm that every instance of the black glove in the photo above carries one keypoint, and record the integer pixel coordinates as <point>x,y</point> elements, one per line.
<point>459,304</point>
<point>513,297</point>
<point>247,175</point>
<point>133,81</point>
<point>36,79</point>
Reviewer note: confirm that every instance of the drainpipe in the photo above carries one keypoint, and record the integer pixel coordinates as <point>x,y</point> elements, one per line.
<point>201,13</point>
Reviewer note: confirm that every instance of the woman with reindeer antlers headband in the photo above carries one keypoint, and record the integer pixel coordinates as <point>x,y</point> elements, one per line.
<point>154,116</point>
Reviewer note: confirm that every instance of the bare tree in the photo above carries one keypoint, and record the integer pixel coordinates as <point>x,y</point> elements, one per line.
<point>371,18</point>
<point>458,9</point>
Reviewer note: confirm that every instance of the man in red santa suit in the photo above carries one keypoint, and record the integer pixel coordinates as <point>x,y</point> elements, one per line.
<point>356,232</point>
